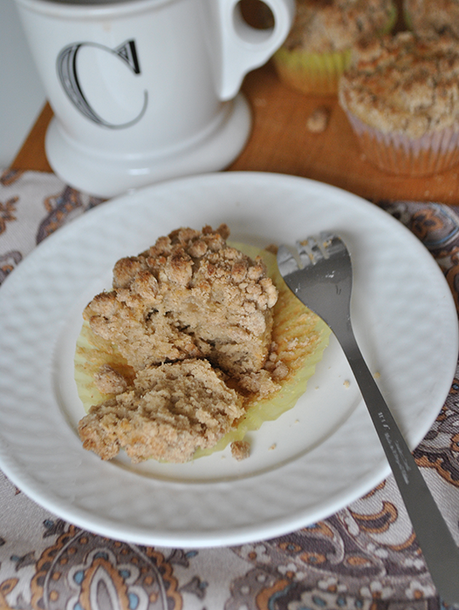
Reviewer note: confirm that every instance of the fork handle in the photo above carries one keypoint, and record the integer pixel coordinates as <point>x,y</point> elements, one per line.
<point>435,540</point>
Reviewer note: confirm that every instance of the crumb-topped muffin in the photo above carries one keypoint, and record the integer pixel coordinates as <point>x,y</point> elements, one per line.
<point>401,95</point>
<point>318,47</point>
<point>427,17</point>
<point>189,349</point>
<point>191,295</point>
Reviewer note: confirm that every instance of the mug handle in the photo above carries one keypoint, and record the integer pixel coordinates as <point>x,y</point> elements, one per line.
<point>236,47</point>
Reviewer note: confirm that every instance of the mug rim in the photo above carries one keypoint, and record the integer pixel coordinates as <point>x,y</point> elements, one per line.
<point>86,8</point>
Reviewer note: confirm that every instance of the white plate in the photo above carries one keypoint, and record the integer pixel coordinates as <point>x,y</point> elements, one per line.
<point>311,462</point>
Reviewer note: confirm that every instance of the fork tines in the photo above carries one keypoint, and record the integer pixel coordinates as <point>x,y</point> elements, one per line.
<point>286,260</point>
<point>313,248</point>
<point>306,252</point>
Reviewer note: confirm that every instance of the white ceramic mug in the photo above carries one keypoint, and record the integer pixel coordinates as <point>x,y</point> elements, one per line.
<point>145,90</point>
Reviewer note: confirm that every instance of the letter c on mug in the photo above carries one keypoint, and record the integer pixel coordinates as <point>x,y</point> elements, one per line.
<point>70,78</point>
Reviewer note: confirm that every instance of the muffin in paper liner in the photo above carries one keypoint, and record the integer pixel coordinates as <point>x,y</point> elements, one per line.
<point>301,337</point>
<point>314,67</point>
<point>401,96</point>
<point>399,154</point>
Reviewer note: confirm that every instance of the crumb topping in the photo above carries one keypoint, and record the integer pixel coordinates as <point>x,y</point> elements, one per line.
<point>404,84</point>
<point>334,25</point>
<point>427,17</point>
<point>240,450</point>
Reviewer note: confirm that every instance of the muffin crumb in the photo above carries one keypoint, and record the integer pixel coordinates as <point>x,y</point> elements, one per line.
<point>318,120</point>
<point>240,450</point>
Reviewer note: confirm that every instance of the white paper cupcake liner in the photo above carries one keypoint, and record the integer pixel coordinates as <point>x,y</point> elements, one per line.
<point>397,153</point>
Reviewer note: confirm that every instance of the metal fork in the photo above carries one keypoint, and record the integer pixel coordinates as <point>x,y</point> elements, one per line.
<point>319,272</point>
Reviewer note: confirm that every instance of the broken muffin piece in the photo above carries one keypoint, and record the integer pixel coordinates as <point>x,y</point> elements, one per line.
<point>171,410</point>
<point>191,295</point>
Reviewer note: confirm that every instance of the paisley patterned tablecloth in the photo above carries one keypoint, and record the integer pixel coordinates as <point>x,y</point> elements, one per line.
<point>364,556</point>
